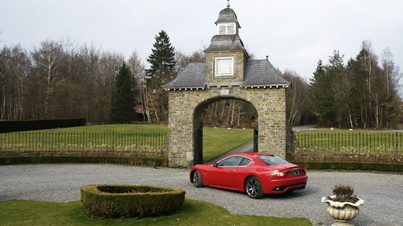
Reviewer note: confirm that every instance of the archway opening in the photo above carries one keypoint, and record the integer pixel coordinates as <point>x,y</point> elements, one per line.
<point>222,116</point>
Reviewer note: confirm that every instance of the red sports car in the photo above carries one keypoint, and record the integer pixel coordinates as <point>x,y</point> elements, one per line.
<point>254,173</point>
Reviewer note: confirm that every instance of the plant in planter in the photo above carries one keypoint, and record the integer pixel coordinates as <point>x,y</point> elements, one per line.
<point>343,204</point>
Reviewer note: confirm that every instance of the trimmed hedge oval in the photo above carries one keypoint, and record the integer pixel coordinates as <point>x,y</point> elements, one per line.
<point>114,201</point>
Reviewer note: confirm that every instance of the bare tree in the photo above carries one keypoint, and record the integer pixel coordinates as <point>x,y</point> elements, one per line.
<point>46,61</point>
<point>137,69</point>
<point>182,60</point>
<point>14,67</point>
<point>296,97</point>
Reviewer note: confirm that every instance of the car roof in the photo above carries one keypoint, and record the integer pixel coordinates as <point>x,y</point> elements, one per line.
<point>251,154</point>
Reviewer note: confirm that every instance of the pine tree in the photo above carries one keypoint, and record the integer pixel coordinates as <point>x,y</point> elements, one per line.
<point>123,96</point>
<point>335,72</point>
<point>162,70</point>
<point>321,96</point>
<point>359,96</point>
<point>162,61</point>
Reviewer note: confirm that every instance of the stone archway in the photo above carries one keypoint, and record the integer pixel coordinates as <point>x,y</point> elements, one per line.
<point>185,109</point>
<point>198,125</point>
<point>227,73</point>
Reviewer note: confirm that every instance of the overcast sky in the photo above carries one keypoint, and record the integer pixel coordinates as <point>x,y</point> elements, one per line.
<point>295,34</point>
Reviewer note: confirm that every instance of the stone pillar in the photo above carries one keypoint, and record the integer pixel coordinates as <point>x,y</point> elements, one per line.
<point>180,130</point>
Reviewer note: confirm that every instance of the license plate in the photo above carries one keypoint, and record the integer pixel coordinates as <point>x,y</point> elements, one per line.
<point>294,173</point>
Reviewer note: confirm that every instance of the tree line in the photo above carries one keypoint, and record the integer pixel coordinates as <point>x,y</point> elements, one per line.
<point>361,94</point>
<point>60,79</point>
<point>364,93</point>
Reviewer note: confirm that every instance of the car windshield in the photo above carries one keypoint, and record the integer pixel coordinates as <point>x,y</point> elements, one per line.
<point>272,159</point>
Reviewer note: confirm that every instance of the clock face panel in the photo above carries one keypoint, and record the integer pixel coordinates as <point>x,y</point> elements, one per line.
<point>224,66</point>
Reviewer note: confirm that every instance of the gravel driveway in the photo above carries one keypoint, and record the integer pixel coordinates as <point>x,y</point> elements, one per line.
<point>61,183</point>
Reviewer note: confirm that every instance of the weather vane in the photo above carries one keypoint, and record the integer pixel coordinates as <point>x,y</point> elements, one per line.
<point>228,4</point>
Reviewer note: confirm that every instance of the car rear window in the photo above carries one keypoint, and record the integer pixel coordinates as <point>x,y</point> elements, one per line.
<point>245,162</point>
<point>272,159</point>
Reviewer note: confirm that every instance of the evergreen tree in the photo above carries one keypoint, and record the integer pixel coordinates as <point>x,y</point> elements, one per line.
<point>338,88</point>
<point>123,96</point>
<point>162,61</point>
<point>359,96</point>
<point>321,96</point>
<point>162,71</point>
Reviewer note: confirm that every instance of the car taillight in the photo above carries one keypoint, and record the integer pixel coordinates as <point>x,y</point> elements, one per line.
<point>279,173</point>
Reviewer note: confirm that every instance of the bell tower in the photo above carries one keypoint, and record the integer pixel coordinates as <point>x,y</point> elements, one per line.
<point>226,55</point>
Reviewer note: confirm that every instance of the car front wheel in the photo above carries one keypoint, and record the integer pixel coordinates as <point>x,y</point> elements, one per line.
<point>253,188</point>
<point>197,179</point>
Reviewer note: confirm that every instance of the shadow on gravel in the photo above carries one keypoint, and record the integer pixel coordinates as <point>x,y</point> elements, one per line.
<point>285,196</point>
<point>292,195</point>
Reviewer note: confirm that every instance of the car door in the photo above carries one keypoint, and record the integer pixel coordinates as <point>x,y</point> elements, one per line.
<point>224,172</point>
<point>244,170</point>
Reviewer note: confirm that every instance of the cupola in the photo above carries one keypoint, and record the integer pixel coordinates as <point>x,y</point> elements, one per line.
<point>226,54</point>
<point>227,22</point>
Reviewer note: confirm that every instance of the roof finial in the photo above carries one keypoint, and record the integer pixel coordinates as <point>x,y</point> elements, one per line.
<point>228,4</point>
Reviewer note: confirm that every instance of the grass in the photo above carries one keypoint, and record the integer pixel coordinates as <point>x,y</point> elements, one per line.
<point>118,137</point>
<point>116,128</point>
<point>219,141</point>
<point>350,142</point>
<point>21,212</point>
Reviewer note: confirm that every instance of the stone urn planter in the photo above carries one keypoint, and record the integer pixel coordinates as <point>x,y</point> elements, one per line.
<point>343,205</point>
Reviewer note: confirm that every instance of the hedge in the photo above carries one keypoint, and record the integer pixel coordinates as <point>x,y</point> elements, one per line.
<point>114,201</point>
<point>10,160</point>
<point>143,161</point>
<point>384,167</point>
<point>24,125</point>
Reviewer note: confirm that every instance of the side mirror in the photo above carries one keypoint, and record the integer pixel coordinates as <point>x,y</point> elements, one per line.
<point>215,164</point>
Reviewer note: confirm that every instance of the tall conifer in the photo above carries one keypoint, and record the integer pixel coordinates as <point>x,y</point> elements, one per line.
<point>162,61</point>
<point>123,96</point>
<point>162,70</point>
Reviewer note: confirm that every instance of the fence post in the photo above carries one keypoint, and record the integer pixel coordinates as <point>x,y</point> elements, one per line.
<point>397,143</point>
<point>113,141</point>
<point>82,141</point>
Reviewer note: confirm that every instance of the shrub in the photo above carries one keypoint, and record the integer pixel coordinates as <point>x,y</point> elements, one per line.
<point>343,193</point>
<point>114,201</point>
<point>25,125</point>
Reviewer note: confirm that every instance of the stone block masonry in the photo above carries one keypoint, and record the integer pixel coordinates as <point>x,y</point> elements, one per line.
<point>186,107</point>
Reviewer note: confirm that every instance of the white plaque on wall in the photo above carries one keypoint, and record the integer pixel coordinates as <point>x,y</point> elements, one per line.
<point>225,92</point>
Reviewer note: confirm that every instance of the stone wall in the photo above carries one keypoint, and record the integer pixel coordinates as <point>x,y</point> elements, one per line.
<point>185,108</point>
<point>238,70</point>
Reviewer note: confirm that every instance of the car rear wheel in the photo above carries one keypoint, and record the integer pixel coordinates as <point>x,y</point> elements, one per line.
<point>197,179</point>
<point>253,188</point>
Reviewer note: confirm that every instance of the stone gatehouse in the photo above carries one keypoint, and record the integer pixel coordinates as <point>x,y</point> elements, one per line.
<point>227,73</point>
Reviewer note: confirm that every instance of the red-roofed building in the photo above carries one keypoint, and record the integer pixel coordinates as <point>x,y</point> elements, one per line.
<point>140,114</point>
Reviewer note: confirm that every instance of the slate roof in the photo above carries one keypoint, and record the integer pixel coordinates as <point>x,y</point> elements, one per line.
<point>228,15</point>
<point>258,74</point>
<point>222,43</point>
<point>262,74</point>
<point>193,76</point>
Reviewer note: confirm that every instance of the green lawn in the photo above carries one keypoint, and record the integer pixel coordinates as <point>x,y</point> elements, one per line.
<point>350,142</point>
<point>219,141</point>
<point>87,138</point>
<point>125,137</point>
<point>116,128</point>
<point>21,212</point>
